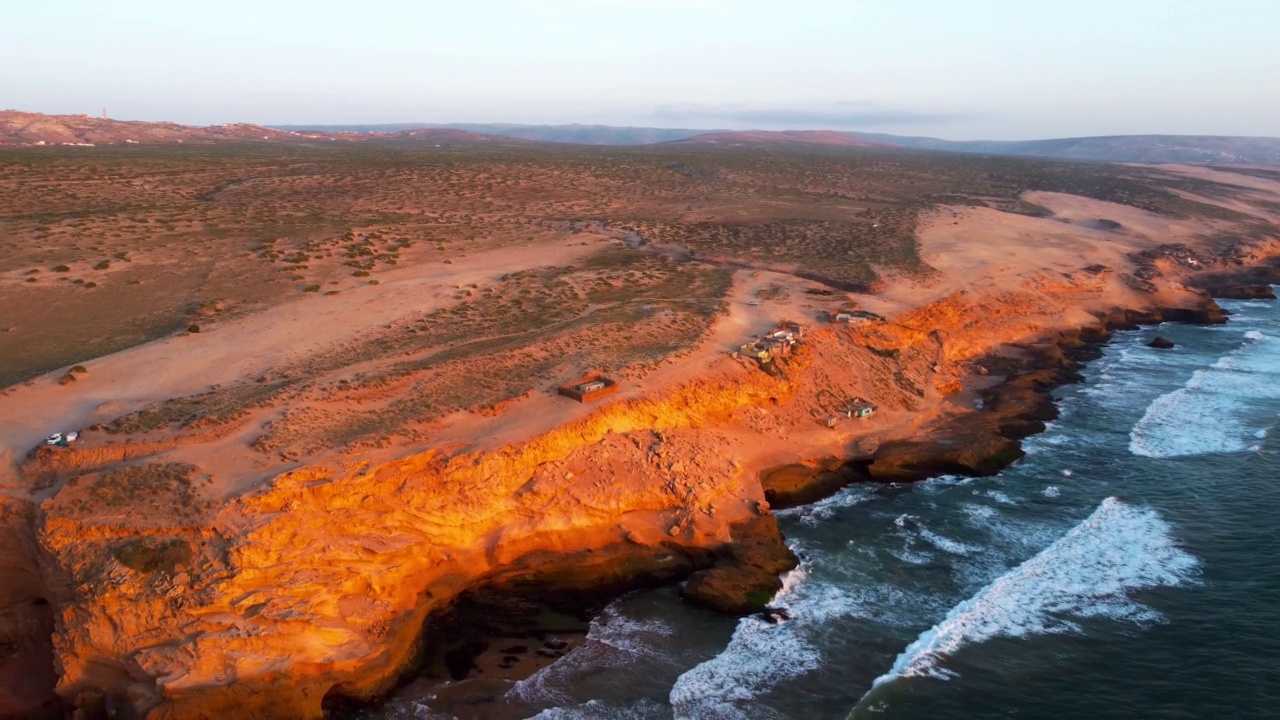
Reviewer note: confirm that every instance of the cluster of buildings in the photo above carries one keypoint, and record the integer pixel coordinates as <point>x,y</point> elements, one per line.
<point>777,343</point>
<point>857,409</point>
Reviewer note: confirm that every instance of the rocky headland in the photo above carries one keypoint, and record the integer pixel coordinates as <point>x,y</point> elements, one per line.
<point>318,588</point>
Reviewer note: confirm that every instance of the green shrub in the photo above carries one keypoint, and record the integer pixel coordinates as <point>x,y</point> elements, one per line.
<point>311,288</point>
<point>61,268</point>
<point>102,265</point>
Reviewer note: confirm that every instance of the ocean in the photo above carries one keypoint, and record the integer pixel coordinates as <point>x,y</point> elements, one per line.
<point>1126,568</point>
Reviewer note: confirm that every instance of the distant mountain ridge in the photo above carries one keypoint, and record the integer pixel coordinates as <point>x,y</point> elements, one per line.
<point>574,133</point>
<point>785,137</point>
<point>1199,149</point>
<point>25,128</point>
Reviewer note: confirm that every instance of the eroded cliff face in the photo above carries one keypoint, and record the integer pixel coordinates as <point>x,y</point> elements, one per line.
<point>318,584</point>
<point>27,672</point>
<point>324,578</point>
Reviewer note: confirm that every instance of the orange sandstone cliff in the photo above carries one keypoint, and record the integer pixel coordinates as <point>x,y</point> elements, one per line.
<point>317,585</point>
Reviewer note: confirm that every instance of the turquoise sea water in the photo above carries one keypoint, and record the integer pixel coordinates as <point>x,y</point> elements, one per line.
<point>1126,568</point>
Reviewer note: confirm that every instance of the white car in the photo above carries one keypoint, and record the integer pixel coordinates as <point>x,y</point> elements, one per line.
<point>73,436</point>
<point>53,439</point>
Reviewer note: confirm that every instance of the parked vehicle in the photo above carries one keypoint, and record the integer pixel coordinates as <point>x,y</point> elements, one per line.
<point>53,439</point>
<point>73,436</point>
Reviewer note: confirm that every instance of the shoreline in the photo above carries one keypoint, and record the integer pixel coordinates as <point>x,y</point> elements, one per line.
<point>1019,406</point>
<point>648,489</point>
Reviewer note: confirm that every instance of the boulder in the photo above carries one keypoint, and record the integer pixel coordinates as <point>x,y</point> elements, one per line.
<point>1161,343</point>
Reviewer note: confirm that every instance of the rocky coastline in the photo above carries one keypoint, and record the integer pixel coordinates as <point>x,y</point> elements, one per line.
<point>694,516</point>
<point>741,577</point>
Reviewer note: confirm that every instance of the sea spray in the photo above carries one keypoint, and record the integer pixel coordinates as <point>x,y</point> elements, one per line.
<point>1087,573</point>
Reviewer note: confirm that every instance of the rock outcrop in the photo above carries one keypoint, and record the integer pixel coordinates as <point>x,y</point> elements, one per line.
<point>746,577</point>
<point>803,483</point>
<point>1244,292</point>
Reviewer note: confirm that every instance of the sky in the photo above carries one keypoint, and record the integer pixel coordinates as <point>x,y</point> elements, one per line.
<point>956,69</point>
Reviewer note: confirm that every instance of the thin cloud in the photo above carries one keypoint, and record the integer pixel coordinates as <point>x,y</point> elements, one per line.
<point>832,115</point>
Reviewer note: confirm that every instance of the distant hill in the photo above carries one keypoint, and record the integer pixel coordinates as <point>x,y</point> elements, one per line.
<point>784,137</point>
<point>1115,148</point>
<point>577,134</point>
<point>25,128</point>
<point>1196,149</point>
<point>1203,149</point>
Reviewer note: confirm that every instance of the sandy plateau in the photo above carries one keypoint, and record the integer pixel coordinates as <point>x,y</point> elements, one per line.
<point>260,517</point>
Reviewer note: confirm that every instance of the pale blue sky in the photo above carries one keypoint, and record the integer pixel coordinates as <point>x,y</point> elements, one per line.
<point>959,69</point>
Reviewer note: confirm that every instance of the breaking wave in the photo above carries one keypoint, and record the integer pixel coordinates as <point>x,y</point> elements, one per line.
<point>762,654</point>
<point>1086,573</point>
<point>613,640</point>
<point>1204,416</point>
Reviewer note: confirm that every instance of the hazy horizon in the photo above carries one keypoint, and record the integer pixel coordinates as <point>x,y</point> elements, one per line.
<point>989,70</point>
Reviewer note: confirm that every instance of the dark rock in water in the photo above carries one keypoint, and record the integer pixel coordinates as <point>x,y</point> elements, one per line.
<point>775,615</point>
<point>1161,343</point>
<point>516,649</point>
<point>746,579</point>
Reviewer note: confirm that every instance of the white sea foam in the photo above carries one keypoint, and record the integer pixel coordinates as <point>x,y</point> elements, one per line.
<point>944,543</point>
<point>1000,497</point>
<point>911,557</point>
<point>1086,573</point>
<point>1052,491</point>
<point>613,640</point>
<point>596,710</point>
<point>980,515</point>
<point>762,654</point>
<point>825,509</point>
<point>1204,416</point>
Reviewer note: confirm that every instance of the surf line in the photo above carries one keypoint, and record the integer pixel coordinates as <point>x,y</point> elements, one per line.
<point>1087,573</point>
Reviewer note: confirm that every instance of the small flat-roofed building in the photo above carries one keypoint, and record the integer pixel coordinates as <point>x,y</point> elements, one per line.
<point>589,388</point>
<point>859,408</point>
<point>855,316</point>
